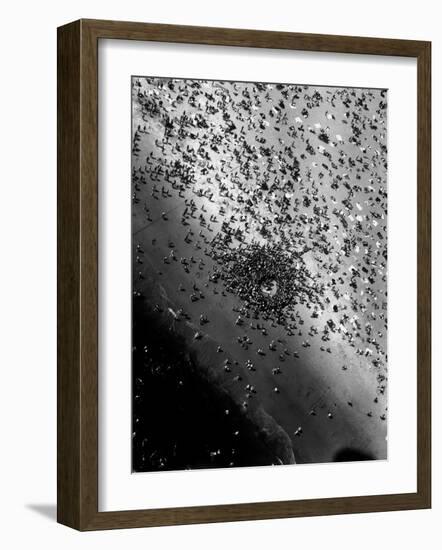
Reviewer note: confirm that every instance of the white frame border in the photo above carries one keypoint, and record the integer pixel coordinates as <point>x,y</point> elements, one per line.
<point>119,489</point>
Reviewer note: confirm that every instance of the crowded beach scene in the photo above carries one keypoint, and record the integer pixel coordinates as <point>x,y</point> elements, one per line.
<point>259,274</point>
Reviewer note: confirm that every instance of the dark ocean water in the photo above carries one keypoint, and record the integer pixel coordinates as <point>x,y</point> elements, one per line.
<point>181,418</point>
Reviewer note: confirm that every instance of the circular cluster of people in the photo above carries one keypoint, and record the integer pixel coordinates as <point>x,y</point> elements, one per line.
<point>267,279</point>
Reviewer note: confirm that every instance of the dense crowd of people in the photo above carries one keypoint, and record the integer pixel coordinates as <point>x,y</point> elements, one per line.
<point>284,188</point>
<point>283,185</point>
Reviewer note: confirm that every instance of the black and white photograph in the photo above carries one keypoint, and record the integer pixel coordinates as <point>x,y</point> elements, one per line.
<point>259,233</point>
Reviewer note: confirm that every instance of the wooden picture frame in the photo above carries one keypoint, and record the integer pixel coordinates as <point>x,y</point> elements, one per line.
<point>77,461</point>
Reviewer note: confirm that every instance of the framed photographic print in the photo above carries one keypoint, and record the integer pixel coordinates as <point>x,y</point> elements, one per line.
<point>244,274</point>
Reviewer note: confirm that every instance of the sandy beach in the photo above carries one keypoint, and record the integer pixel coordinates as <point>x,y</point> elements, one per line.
<point>325,401</point>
